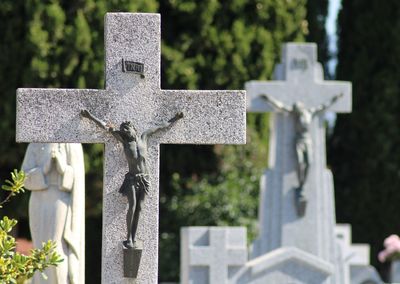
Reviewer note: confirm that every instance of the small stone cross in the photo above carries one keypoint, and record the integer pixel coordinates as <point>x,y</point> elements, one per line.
<point>211,254</point>
<point>353,254</point>
<point>132,93</point>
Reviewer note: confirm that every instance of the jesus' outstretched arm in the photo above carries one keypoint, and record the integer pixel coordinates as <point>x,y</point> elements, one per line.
<point>323,107</point>
<point>101,124</point>
<point>161,126</point>
<point>276,104</point>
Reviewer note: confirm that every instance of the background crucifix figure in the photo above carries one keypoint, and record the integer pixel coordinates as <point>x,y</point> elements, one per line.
<point>303,117</point>
<point>298,78</point>
<point>136,183</point>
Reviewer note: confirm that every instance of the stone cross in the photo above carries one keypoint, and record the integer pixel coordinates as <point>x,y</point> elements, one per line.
<point>133,92</point>
<point>299,79</point>
<point>212,254</point>
<point>355,258</point>
<point>353,254</point>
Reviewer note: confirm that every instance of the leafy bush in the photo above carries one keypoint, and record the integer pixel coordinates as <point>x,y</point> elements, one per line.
<point>16,267</point>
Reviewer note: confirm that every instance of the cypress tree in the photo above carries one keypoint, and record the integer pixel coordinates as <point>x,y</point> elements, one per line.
<point>364,153</point>
<point>317,13</point>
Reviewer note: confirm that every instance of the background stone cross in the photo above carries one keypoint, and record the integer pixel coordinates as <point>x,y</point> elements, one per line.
<point>299,78</point>
<point>53,115</point>
<point>212,254</point>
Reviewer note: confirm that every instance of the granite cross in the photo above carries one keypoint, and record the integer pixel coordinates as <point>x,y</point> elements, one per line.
<point>299,80</point>
<point>133,92</point>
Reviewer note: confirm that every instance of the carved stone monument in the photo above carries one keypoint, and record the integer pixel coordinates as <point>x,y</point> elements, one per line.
<point>297,242</point>
<point>299,82</point>
<point>132,93</point>
<point>56,178</point>
<point>219,255</point>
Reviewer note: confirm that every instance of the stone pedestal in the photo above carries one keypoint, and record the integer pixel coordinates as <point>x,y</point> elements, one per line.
<point>132,258</point>
<point>285,265</point>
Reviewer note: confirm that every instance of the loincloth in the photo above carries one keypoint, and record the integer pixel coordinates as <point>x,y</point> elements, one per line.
<point>139,181</point>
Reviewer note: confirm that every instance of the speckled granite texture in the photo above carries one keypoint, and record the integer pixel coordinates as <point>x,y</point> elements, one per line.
<point>52,115</point>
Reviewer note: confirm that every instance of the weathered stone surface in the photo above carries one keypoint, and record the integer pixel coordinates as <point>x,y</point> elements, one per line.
<point>299,79</point>
<point>52,115</point>
<point>212,254</point>
<point>365,274</point>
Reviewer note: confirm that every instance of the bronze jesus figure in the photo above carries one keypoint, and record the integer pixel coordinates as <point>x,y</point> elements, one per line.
<point>136,183</point>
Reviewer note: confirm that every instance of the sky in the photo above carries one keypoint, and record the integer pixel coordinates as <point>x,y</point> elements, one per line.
<point>330,26</point>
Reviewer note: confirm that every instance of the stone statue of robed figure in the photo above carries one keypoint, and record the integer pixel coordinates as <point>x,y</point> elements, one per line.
<point>136,183</point>
<point>56,178</point>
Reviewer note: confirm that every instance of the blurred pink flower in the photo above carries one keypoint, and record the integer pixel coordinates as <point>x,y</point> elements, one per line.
<point>392,247</point>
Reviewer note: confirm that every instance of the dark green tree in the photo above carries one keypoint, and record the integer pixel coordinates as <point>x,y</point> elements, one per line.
<point>317,12</point>
<point>206,44</point>
<point>364,153</point>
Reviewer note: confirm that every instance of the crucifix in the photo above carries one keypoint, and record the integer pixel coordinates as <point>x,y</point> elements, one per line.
<point>297,201</point>
<point>303,118</point>
<point>132,93</point>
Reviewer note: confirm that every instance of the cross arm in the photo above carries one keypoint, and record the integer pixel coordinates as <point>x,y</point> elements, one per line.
<point>317,96</point>
<point>209,117</point>
<point>53,115</point>
<point>267,96</point>
<point>326,105</point>
<point>329,95</point>
<point>277,104</point>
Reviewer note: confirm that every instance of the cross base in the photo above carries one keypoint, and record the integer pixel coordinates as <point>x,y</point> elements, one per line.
<point>132,258</point>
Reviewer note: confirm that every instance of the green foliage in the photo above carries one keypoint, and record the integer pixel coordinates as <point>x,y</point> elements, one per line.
<point>13,265</point>
<point>364,153</point>
<point>210,44</point>
<point>15,186</point>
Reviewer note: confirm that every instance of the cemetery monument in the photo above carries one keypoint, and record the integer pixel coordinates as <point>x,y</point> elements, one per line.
<point>132,93</point>
<point>296,243</point>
